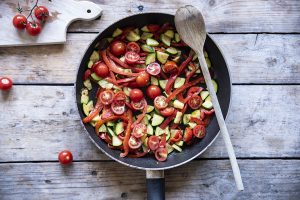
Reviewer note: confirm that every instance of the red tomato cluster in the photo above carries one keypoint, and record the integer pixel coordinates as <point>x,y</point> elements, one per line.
<point>32,27</point>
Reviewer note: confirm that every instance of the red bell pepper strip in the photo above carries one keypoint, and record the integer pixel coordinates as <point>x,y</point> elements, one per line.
<point>204,122</point>
<point>122,64</point>
<point>163,141</point>
<point>167,121</point>
<point>141,116</point>
<point>87,74</point>
<point>95,111</point>
<point>125,80</point>
<point>127,135</point>
<point>113,67</point>
<point>111,80</point>
<point>102,121</point>
<point>163,74</point>
<point>180,97</point>
<point>190,74</point>
<point>177,137</point>
<point>182,88</point>
<point>113,77</point>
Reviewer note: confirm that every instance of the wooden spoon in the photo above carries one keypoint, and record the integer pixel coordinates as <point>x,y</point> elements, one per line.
<point>190,25</point>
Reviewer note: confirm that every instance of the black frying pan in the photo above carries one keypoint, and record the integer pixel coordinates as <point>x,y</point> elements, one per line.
<point>155,179</point>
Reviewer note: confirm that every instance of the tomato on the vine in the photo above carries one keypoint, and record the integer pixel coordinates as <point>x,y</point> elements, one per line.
<point>33,28</point>
<point>153,91</point>
<point>117,47</point>
<point>19,21</point>
<point>41,13</point>
<point>5,83</point>
<point>65,157</point>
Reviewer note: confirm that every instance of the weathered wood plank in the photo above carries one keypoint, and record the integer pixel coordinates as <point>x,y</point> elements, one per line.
<point>220,15</point>
<point>210,179</point>
<point>251,58</point>
<point>40,121</point>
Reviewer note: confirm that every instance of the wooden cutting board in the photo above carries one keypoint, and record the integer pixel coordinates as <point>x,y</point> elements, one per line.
<point>62,13</point>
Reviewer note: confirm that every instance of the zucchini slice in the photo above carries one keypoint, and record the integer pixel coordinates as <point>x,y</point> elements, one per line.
<point>186,118</point>
<point>147,48</point>
<point>152,42</point>
<point>95,77</point>
<point>178,117</point>
<point>84,99</point>
<point>95,56</point>
<point>178,104</point>
<point>177,148</point>
<point>169,33</point>
<point>104,84</point>
<point>154,81</point>
<point>179,82</point>
<point>215,85</point>
<point>162,57</point>
<point>87,83</point>
<point>159,131</point>
<point>169,148</point>
<point>157,120</point>
<point>192,125</point>
<point>119,128</point>
<point>116,141</point>
<point>90,64</point>
<point>150,58</point>
<point>150,130</point>
<point>117,32</point>
<point>102,129</point>
<point>163,83</point>
<point>207,105</point>
<point>127,90</point>
<point>208,62</point>
<point>145,29</point>
<point>132,36</point>
<point>177,37</point>
<point>196,114</point>
<point>150,109</point>
<point>172,50</point>
<point>145,36</point>
<point>87,107</point>
<point>204,94</point>
<point>165,39</point>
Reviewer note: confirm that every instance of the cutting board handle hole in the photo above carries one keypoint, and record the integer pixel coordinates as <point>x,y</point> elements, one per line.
<point>88,11</point>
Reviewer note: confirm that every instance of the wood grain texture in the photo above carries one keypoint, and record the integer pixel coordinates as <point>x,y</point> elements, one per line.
<point>40,121</point>
<point>61,14</point>
<point>220,15</point>
<point>264,179</point>
<point>263,58</point>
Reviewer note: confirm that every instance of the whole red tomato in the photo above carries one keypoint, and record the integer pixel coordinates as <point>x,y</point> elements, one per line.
<point>143,79</point>
<point>118,48</point>
<point>5,83</point>
<point>19,21</point>
<point>41,13</point>
<point>65,157</point>
<point>33,28</point>
<point>153,91</point>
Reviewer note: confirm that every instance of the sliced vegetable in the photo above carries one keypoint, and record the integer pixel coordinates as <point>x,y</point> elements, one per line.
<point>179,82</point>
<point>165,39</point>
<point>150,58</point>
<point>162,57</point>
<point>169,33</point>
<point>177,148</point>
<point>157,120</point>
<point>87,83</point>
<point>147,48</point>
<point>146,35</point>
<point>154,81</point>
<point>204,94</point>
<point>132,36</point>
<point>207,104</point>
<point>178,117</point>
<point>151,42</point>
<point>163,83</point>
<point>117,32</point>
<point>172,50</point>
<point>177,37</point>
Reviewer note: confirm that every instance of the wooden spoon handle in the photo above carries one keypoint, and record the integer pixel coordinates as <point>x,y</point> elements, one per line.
<point>221,122</point>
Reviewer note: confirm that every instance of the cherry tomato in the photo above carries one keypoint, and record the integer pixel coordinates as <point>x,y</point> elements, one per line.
<point>138,105</point>
<point>106,97</point>
<point>101,69</point>
<point>170,66</point>
<point>134,143</point>
<point>65,157</point>
<point>120,96</point>
<point>177,137</point>
<point>106,113</point>
<point>199,131</point>
<point>160,102</point>
<point>19,21</point>
<point>33,28</point>
<point>153,27</point>
<point>87,74</point>
<point>41,13</point>
<point>5,83</point>
<point>153,68</point>
<point>188,135</point>
<point>163,141</point>
<point>142,79</point>
<point>153,91</point>
<point>194,90</point>
<point>167,111</point>
<point>136,95</point>
<point>117,47</point>
<point>195,102</point>
<point>131,57</point>
<point>208,112</point>
<point>153,142</point>
<point>161,154</point>
<point>139,130</point>
<point>133,46</point>
<point>118,107</point>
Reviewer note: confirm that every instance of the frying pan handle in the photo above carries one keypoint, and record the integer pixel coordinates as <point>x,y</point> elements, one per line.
<point>155,185</point>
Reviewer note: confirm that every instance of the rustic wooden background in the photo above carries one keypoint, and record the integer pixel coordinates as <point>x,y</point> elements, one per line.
<point>261,42</point>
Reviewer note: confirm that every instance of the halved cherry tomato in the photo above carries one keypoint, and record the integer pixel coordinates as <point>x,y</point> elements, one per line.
<point>153,91</point>
<point>118,107</point>
<point>177,137</point>
<point>143,79</point>
<point>5,83</point>
<point>117,47</point>
<point>153,68</point>
<point>199,131</point>
<point>188,135</point>
<point>195,102</point>
<point>138,105</point>
<point>160,102</point>
<point>65,157</point>
<point>19,21</point>
<point>101,69</point>
<point>134,143</point>
<point>161,154</point>
<point>170,67</point>
<point>133,46</point>
<point>106,97</point>
<point>139,130</point>
<point>131,57</point>
<point>168,111</point>
<point>120,96</point>
<point>153,142</point>
<point>87,74</point>
<point>153,27</point>
<point>136,95</point>
<point>194,91</point>
<point>163,141</point>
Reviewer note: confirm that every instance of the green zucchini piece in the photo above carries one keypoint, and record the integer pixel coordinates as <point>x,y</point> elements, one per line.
<point>148,116</point>
<point>195,57</point>
<point>90,64</point>
<point>162,57</point>
<point>177,148</point>
<point>116,141</point>
<point>196,114</point>
<point>186,118</point>
<point>178,117</point>
<point>102,129</point>
<point>122,58</point>
<point>177,37</point>
<point>95,56</point>
<point>163,83</point>
<point>179,82</point>
<point>215,85</point>
<point>159,131</point>
<point>137,31</point>
<point>150,109</point>
<point>178,104</point>
<point>87,107</point>
<point>169,33</point>
<point>104,84</point>
<point>145,36</point>
<point>132,36</point>
<point>150,58</point>
<point>147,48</point>
<point>154,81</point>
<point>208,62</point>
<point>176,59</point>
<point>205,54</point>
<point>172,50</point>
<point>145,120</point>
<point>208,98</point>
<point>95,77</point>
<point>117,32</point>
<point>87,83</point>
<point>150,130</point>
<point>165,39</point>
<point>157,120</point>
<point>169,148</point>
<point>92,123</point>
<point>207,104</point>
<point>145,29</point>
<point>152,42</point>
<point>127,90</point>
<point>192,125</point>
<point>204,94</point>
<point>96,118</point>
<point>179,143</point>
<point>110,123</point>
<point>119,128</point>
<point>110,132</point>
<point>84,99</point>
<point>109,39</point>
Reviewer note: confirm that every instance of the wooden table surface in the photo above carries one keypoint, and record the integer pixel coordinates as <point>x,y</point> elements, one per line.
<point>261,42</point>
